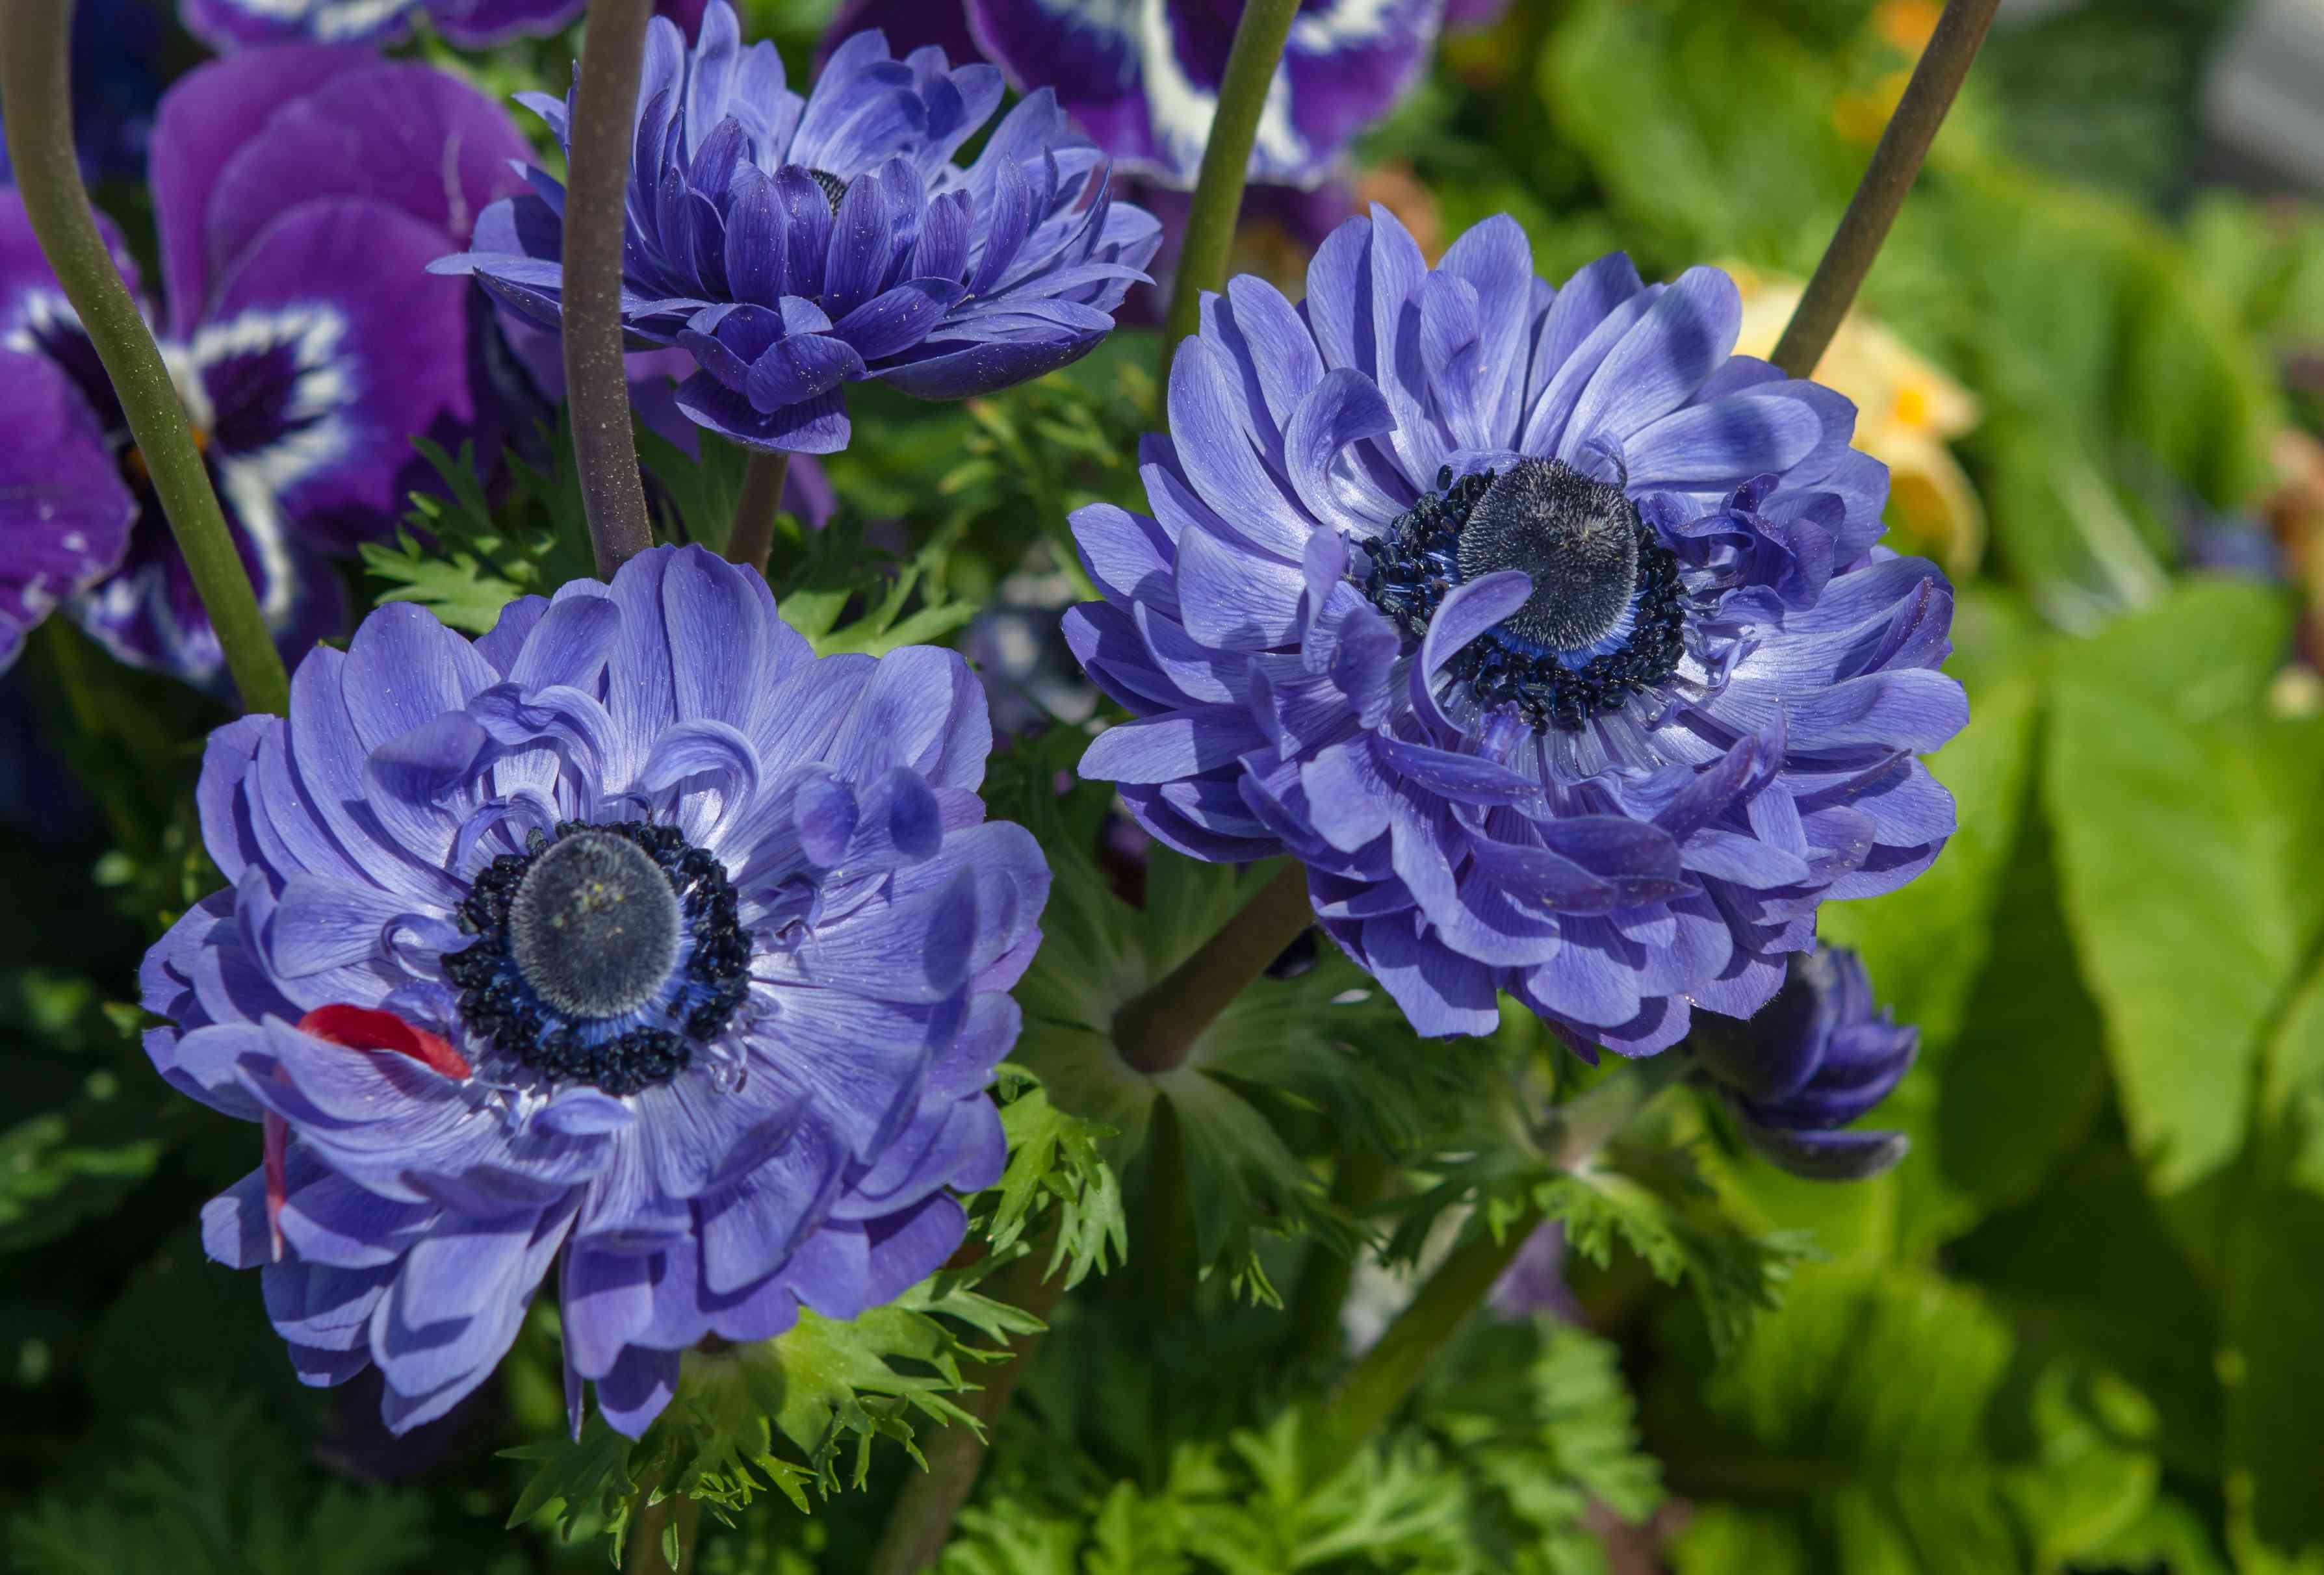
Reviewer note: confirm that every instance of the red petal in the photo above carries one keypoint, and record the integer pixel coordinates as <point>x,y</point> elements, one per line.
<point>366,1028</point>
<point>277,1145</point>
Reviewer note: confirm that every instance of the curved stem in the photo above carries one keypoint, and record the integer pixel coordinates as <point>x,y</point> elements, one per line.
<point>1155,1028</point>
<point>920,1521</point>
<point>1357,1182</point>
<point>754,535</point>
<point>597,194</point>
<point>648,1552</point>
<point>1894,162</point>
<point>36,100</point>
<point>1577,1130</point>
<point>1252,61</point>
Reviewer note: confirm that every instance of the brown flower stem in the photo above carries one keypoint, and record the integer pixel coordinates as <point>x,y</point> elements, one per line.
<point>754,535</point>
<point>1155,1028</point>
<point>1879,196</point>
<point>921,1520</point>
<point>596,195</point>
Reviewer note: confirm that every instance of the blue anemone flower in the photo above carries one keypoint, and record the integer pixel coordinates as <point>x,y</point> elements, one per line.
<point>631,940</point>
<point>793,245</point>
<point>1817,1057</point>
<point>1550,635</point>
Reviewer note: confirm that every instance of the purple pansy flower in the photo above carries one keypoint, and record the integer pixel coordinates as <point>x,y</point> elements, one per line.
<point>1549,634</point>
<point>299,194</point>
<point>1141,77</point>
<point>226,25</point>
<point>631,940</point>
<point>1817,1058</point>
<point>796,244</point>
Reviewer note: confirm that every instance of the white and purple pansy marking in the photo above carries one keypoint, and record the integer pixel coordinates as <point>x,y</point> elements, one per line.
<point>1143,76</point>
<point>299,195</point>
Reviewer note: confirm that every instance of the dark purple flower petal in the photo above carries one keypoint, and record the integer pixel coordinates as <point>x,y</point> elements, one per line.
<point>844,204</point>
<point>1143,81</point>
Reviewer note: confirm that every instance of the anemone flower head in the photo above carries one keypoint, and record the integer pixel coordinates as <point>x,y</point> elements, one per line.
<point>630,939</point>
<point>1142,76</point>
<point>298,194</point>
<point>1550,636</point>
<point>795,245</point>
<point>1819,1056</point>
<point>226,25</point>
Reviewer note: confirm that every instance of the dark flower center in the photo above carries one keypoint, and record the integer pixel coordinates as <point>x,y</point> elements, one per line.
<point>1577,538</point>
<point>833,187</point>
<point>603,955</point>
<point>1605,618</point>
<point>594,927</point>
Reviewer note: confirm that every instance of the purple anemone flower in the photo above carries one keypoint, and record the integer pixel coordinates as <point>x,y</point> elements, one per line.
<point>630,939</point>
<point>1143,76</point>
<point>1817,1058</point>
<point>794,245</point>
<point>299,194</point>
<point>226,25</point>
<point>1550,636</point>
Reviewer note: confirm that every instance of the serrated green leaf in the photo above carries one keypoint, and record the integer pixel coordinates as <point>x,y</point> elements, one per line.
<point>1054,1163</point>
<point>1653,1201</point>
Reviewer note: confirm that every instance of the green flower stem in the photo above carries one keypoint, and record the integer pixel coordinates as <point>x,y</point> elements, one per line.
<point>1894,162</point>
<point>754,535</point>
<point>1357,1180</point>
<point>1155,1028</point>
<point>36,99</point>
<point>1252,61</point>
<point>1577,1130</point>
<point>648,1550</point>
<point>921,1520</point>
<point>597,194</point>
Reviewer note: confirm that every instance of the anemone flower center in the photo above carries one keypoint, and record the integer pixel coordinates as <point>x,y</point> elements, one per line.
<point>594,925</point>
<point>832,186</point>
<point>1607,617</point>
<point>1578,540</point>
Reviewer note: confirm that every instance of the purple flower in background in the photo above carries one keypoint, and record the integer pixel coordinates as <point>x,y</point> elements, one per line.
<point>300,195</point>
<point>226,25</point>
<point>630,939</point>
<point>1141,77</point>
<point>1815,1059</point>
<point>1549,634</point>
<point>794,245</point>
<point>116,78</point>
<point>1472,16</point>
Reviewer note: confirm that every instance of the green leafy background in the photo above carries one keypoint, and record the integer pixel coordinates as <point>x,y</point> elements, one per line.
<point>2080,1328</point>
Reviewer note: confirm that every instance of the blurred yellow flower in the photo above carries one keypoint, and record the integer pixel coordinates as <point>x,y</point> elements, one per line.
<point>1907,411</point>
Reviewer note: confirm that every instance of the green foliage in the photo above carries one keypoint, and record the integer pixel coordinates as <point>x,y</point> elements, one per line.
<point>1054,1165</point>
<point>819,577</point>
<point>797,1414</point>
<point>1528,1426</point>
<point>77,1158</point>
<point>210,1488</point>
<point>2187,874</point>
<point>1878,1425</point>
<point>464,559</point>
<point>1313,1062</point>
